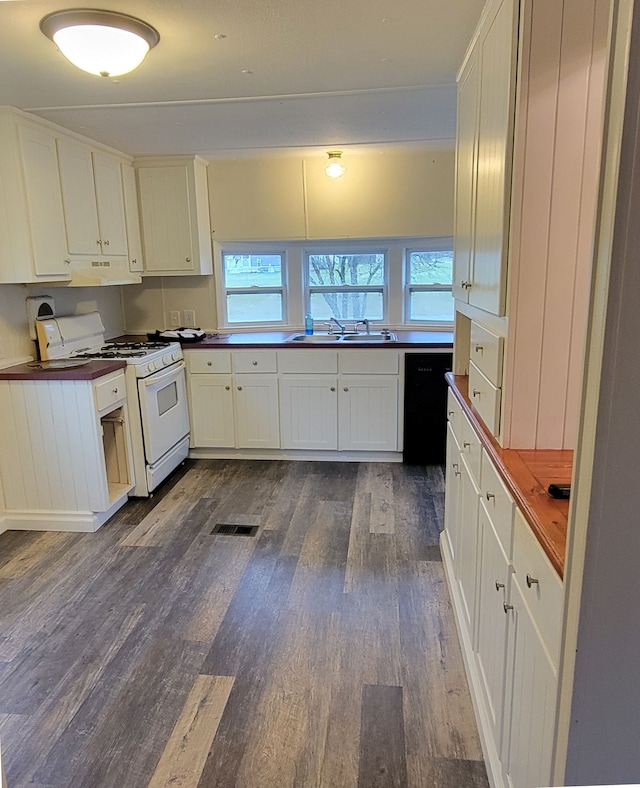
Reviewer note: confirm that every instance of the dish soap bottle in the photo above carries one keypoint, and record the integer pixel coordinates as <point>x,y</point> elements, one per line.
<point>308,324</point>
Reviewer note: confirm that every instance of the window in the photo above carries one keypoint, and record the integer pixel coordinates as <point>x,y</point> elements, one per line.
<point>429,279</point>
<point>346,285</point>
<point>254,290</point>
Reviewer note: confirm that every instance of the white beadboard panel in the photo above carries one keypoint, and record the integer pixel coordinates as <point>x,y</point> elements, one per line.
<point>555,192</point>
<point>74,485</point>
<point>37,398</point>
<point>12,478</point>
<point>309,413</point>
<point>22,464</point>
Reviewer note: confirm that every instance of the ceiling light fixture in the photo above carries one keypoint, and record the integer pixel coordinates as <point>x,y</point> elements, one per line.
<point>105,43</point>
<point>335,168</point>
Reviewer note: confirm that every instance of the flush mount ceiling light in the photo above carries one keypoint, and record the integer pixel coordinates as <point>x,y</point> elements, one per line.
<point>335,168</point>
<point>104,43</point>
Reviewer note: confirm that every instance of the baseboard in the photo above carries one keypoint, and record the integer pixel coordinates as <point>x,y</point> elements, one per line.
<point>295,454</point>
<point>489,749</point>
<point>3,523</point>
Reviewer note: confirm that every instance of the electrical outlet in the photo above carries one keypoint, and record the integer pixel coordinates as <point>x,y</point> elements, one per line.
<point>174,318</point>
<point>189,318</point>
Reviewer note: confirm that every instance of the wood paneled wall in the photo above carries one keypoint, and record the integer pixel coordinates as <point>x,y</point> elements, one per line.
<point>557,165</point>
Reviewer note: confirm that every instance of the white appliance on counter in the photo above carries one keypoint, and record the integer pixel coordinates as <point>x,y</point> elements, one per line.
<point>156,391</point>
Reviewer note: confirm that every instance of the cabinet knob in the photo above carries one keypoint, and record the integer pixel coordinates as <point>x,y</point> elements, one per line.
<point>465,285</point>
<point>346,388</point>
<point>466,444</point>
<point>506,607</point>
<point>115,391</point>
<point>239,388</point>
<point>226,388</point>
<point>476,393</point>
<point>106,243</point>
<point>489,496</point>
<point>255,363</point>
<point>499,585</point>
<point>478,348</point>
<point>209,363</point>
<point>456,468</point>
<point>187,259</point>
<point>67,260</point>
<point>99,242</point>
<point>134,261</point>
<point>333,388</point>
<point>450,412</point>
<point>531,580</point>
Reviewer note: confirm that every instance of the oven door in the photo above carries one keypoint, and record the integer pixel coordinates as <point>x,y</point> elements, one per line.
<point>163,409</point>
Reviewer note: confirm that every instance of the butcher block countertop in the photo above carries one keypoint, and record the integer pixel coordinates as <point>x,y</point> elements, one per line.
<point>90,371</point>
<point>527,474</point>
<point>281,340</point>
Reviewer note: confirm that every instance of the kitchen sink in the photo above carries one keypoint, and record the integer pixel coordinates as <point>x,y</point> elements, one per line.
<point>374,336</point>
<point>314,338</point>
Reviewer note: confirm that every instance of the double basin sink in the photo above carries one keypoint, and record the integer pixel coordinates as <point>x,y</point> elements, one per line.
<point>374,336</point>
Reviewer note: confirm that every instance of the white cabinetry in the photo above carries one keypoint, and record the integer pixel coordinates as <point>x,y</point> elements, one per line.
<point>33,246</point>
<point>211,410</point>
<point>72,466</point>
<point>507,600</point>
<point>174,208</point>
<point>485,131</point>
<point>368,413</point>
<point>132,217</point>
<point>93,197</point>
<point>309,412</point>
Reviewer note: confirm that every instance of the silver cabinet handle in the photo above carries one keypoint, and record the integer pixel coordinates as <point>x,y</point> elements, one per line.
<point>115,391</point>
<point>134,261</point>
<point>499,585</point>
<point>476,393</point>
<point>489,496</point>
<point>465,285</point>
<point>187,259</point>
<point>450,413</point>
<point>239,388</point>
<point>456,468</point>
<point>333,388</point>
<point>466,445</point>
<point>532,580</point>
<point>209,363</point>
<point>478,348</point>
<point>506,607</point>
<point>226,388</point>
<point>106,243</point>
<point>346,388</point>
<point>255,363</point>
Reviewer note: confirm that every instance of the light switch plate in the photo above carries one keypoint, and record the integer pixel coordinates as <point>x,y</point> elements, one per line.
<point>189,318</point>
<point>174,318</point>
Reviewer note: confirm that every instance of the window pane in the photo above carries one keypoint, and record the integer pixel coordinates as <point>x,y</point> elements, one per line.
<point>431,268</point>
<point>346,269</point>
<point>253,307</point>
<point>352,305</point>
<point>430,305</point>
<point>252,270</point>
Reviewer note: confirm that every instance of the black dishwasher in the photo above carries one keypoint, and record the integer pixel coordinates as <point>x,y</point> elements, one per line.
<point>425,408</point>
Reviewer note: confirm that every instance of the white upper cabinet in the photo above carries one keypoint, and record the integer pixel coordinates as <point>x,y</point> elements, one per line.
<point>486,95</point>
<point>174,207</point>
<point>93,201</point>
<point>33,246</point>
<point>132,218</point>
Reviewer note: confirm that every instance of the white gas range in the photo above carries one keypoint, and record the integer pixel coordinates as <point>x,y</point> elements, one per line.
<point>156,390</point>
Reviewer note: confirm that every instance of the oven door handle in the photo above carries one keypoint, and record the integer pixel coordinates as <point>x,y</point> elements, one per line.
<point>157,379</point>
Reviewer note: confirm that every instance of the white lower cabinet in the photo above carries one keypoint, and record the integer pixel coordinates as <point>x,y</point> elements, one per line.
<point>309,412</point>
<point>368,413</point>
<point>507,600</point>
<point>256,411</point>
<point>212,418</point>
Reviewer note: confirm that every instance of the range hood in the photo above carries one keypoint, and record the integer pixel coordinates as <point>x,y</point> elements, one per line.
<point>100,274</point>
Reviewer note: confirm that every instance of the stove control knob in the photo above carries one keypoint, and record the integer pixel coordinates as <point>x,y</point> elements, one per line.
<point>176,355</point>
<point>152,366</point>
<point>166,360</point>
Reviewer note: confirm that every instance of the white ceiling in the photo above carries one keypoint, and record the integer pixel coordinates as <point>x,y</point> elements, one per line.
<point>334,73</point>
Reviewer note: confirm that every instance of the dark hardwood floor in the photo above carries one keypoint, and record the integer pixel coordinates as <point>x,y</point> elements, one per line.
<point>319,653</point>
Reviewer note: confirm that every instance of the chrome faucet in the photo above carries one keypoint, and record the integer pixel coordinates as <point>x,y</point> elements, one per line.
<point>340,326</point>
<point>365,323</point>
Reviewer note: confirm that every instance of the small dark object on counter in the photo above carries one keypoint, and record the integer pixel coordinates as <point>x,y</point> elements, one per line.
<point>179,335</point>
<point>562,491</point>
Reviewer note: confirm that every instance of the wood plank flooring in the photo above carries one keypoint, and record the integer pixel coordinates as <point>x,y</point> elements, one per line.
<point>319,653</point>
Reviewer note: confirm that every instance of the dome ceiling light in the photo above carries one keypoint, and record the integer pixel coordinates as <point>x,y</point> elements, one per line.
<point>335,168</point>
<point>105,43</point>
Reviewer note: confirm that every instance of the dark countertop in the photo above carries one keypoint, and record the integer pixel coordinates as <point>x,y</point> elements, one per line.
<point>527,474</point>
<point>278,341</point>
<point>90,371</point>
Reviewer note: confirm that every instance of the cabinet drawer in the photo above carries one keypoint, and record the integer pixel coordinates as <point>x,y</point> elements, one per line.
<point>454,415</point>
<point>109,391</point>
<point>369,362</point>
<point>470,448</point>
<point>498,503</point>
<point>254,361</point>
<point>486,352</point>
<point>544,597</point>
<point>311,361</point>
<point>485,398</point>
<point>201,361</point>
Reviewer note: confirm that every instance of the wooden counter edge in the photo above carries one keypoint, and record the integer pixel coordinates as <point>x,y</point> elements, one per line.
<point>546,517</point>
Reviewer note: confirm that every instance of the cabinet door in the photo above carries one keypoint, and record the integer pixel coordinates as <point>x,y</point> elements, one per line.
<point>452,493</point>
<point>257,413</point>
<point>166,219</point>
<point>309,412</point>
<point>466,162</point>
<point>498,43</point>
<point>528,749</point>
<point>368,413</point>
<point>78,194</point>
<point>467,548</point>
<point>44,200</point>
<point>110,202</point>
<point>493,573</point>
<point>211,411</point>
<point>132,218</point>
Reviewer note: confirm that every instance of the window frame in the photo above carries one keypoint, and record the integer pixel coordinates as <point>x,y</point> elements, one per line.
<point>222,291</point>
<point>348,248</point>
<point>435,244</point>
